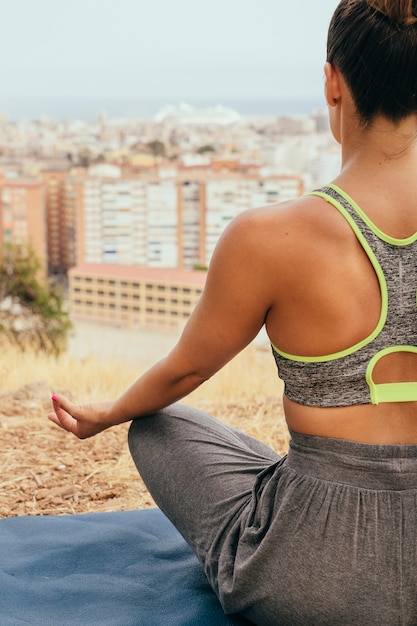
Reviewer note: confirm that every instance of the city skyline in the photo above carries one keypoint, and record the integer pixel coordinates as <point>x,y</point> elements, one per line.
<point>132,49</point>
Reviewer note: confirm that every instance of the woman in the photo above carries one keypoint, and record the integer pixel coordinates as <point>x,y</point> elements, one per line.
<point>327,534</point>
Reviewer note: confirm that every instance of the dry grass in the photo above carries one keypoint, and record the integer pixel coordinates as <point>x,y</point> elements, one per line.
<point>46,471</point>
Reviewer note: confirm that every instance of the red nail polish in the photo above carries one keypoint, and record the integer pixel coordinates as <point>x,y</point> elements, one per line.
<point>55,398</point>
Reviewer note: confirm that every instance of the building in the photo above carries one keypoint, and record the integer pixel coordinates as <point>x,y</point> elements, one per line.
<point>111,221</point>
<point>60,235</point>
<point>168,219</point>
<point>227,196</point>
<point>191,212</point>
<point>23,215</point>
<point>133,296</point>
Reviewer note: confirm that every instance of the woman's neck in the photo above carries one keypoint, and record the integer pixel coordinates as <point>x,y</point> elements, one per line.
<point>379,166</point>
<point>382,149</point>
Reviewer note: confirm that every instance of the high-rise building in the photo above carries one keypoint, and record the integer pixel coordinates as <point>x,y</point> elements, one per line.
<point>167,221</point>
<point>226,197</point>
<point>59,236</point>
<point>112,224</point>
<point>191,212</point>
<point>163,226</point>
<point>23,215</point>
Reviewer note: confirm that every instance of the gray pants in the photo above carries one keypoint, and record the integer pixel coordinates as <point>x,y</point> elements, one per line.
<point>326,535</point>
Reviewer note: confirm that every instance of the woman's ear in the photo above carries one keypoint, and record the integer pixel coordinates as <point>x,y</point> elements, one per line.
<point>332,86</point>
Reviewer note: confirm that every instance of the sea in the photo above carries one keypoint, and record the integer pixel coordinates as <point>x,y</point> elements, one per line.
<point>88,109</point>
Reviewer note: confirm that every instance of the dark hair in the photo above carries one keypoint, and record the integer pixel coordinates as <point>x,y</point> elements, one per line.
<point>374,45</point>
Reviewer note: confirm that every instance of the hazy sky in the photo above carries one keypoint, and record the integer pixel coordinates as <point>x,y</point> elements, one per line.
<point>163,48</point>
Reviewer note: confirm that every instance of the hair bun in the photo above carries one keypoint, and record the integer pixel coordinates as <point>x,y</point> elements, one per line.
<point>400,11</point>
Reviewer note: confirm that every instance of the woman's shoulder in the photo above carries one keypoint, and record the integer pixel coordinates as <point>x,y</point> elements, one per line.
<point>271,249</point>
<point>277,243</point>
<point>291,222</point>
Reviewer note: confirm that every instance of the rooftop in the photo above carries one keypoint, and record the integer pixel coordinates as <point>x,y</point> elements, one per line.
<point>151,274</point>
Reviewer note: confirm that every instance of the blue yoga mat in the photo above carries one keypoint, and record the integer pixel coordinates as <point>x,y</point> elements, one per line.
<point>129,568</point>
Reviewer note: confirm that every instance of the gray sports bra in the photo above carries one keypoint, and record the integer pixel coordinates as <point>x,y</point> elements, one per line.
<point>345,378</point>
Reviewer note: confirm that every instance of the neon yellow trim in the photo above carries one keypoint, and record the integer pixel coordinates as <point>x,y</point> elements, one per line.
<point>382,284</point>
<point>390,392</point>
<point>379,233</point>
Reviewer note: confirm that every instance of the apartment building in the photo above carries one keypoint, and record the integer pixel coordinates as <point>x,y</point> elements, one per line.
<point>112,221</point>
<point>58,236</point>
<point>226,197</point>
<point>133,296</point>
<point>191,212</point>
<point>163,224</point>
<point>167,220</point>
<point>23,215</point>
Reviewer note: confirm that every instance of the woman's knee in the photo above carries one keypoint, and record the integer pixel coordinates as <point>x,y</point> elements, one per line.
<point>138,430</point>
<point>147,435</point>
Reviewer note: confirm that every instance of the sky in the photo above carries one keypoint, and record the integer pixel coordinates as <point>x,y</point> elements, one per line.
<point>158,48</point>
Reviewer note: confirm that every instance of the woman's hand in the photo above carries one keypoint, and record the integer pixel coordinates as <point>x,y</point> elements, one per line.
<point>82,420</point>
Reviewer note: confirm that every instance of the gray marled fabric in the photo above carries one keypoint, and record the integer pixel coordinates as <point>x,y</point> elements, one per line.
<point>341,381</point>
<point>325,536</point>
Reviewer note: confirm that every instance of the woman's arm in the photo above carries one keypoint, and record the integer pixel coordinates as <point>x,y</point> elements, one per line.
<point>229,314</point>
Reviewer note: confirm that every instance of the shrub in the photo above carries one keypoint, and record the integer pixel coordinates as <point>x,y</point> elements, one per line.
<point>32,312</point>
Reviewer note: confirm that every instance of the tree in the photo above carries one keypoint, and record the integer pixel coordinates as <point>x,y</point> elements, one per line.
<point>85,157</point>
<point>157,148</point>
<point>205,148</point>
<point>31,309</point>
